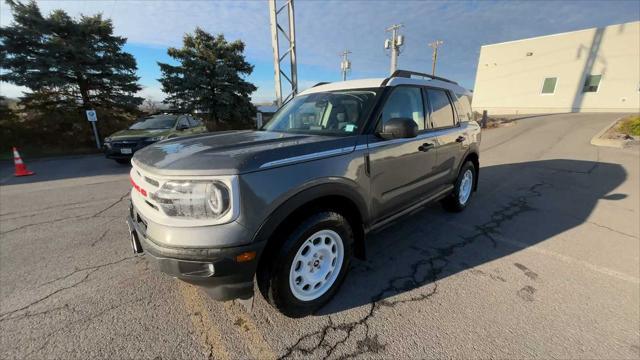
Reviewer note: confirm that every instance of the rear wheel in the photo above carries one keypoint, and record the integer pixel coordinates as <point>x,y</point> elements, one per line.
<point>311,264</point>
<point>463,189</point>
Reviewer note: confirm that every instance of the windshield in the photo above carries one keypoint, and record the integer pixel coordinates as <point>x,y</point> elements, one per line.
<point>336,113</point>
<point>155,122</point>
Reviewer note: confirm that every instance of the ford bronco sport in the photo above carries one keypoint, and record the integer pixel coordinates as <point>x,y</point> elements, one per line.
<point>289,205</point>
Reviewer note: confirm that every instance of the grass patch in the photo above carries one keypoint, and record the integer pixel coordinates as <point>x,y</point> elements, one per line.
<point>630,125</point>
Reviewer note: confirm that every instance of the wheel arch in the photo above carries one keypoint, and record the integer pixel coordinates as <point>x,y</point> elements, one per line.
<point>475,159</point>
<point>334,196</point>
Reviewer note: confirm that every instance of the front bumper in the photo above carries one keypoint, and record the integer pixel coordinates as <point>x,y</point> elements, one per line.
<point>216,270</point>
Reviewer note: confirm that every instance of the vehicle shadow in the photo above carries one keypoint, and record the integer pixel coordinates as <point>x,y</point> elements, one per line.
<point>59,168</point>
<point>516,206</point>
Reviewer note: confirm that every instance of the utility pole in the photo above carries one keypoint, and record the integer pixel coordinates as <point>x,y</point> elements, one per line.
<point>394,44</point>
<point>345,64</point>
<point>434,45</point>
<point>289,36</point>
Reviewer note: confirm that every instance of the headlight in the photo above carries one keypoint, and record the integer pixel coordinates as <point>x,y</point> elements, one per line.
<point>107,139</point>
<point>193,199</point>
<point>156,138</point>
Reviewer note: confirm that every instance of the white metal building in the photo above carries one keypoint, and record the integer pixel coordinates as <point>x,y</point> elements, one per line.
<point>592,70</point>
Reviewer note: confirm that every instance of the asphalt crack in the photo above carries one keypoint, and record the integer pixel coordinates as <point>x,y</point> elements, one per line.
<point>530,274</point>
<point>425,271</point>
<point>90,270</point>
<point>111,205</point>
<point>77,270</point>
<point>75,217</point>
<point>26,315</point>
<point>84,320</point>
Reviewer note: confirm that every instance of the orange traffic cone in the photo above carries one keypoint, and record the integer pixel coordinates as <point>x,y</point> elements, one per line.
<point>21,169</point>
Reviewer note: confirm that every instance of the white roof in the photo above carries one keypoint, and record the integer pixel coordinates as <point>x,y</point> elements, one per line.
<point>377,82</point>
<point>343,85</point>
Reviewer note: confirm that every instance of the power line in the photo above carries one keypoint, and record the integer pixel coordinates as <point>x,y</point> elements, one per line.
<point>394,44</point>
<point>434,45</point>
<point>345,64</point>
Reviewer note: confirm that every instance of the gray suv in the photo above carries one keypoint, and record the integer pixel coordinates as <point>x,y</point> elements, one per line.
<point>288,206</point>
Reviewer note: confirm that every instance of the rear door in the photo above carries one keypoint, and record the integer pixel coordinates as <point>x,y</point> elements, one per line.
<point>449,136</point>
<point>401,168</point>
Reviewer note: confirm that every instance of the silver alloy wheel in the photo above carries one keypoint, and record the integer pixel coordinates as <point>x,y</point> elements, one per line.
<point>316,265</point>
<point>465,187</point>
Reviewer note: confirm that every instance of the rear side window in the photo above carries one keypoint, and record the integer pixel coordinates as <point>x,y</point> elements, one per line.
<point>463,105</point>
<point>193,122</point>
<point>440,109</point>
<point>405,102</point>
<point>182,121</point>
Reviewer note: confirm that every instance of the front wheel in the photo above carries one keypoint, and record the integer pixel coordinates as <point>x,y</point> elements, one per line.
<point>463,189</point>
<point>311,264</point>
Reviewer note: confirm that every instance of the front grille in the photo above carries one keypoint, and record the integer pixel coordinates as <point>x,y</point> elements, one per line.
<point>149,184</point>
<point>152,181</point>
<point>124,144</point>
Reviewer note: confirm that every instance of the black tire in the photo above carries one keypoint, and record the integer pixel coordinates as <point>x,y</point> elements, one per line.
<point>452,202</point>
<point>278,291</point>
<point>123,161</point>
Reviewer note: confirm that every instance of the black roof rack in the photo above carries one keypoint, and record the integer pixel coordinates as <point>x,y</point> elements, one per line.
<point>321,83</point>
<point>408,73</point>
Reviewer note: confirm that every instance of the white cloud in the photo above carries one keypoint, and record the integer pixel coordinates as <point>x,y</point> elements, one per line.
<point>153,93</point>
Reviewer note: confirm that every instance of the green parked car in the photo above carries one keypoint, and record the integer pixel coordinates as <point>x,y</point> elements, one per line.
<point>121,145</point>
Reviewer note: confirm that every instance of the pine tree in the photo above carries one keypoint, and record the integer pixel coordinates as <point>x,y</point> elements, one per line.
<point>210,79</point>
<point>69,64</point>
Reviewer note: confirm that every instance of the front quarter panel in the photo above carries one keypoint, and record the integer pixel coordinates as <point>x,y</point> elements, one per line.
<point>268,192</point>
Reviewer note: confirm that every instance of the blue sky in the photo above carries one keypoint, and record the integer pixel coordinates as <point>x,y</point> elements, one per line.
<point>325,28</point>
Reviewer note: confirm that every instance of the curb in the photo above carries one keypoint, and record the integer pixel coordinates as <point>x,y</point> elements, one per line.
<point>615,143</point>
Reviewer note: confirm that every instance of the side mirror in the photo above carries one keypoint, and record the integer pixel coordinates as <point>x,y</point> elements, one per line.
<point>398,128</point>
<point>181,127</point>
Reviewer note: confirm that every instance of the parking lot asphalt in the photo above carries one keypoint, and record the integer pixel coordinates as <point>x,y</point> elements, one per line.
<point>544,263</point>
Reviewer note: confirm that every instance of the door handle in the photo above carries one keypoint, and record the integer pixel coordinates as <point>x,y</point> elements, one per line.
<point>425,147</point>
<point>460,139</point>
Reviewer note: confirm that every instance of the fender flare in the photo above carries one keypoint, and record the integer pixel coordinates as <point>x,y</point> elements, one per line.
<point>309,193</point>
<point>472,150</point>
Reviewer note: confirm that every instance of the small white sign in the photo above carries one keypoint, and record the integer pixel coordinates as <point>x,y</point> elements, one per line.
<point>92,116</point>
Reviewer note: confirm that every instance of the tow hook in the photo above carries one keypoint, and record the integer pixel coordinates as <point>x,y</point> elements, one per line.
<point>135,243</point>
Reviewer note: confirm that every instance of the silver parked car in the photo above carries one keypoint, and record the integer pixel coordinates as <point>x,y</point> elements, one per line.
<point>290,205</point>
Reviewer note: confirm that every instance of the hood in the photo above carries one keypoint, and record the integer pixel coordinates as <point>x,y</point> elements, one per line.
<point>235,152</point>
<point>131,133</point>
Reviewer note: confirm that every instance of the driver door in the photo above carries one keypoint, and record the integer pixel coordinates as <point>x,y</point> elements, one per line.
<point>401,168</point>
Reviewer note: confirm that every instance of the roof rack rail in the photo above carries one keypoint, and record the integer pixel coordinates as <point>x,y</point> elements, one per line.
<point>408,73</point>
<point>321,83</point>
